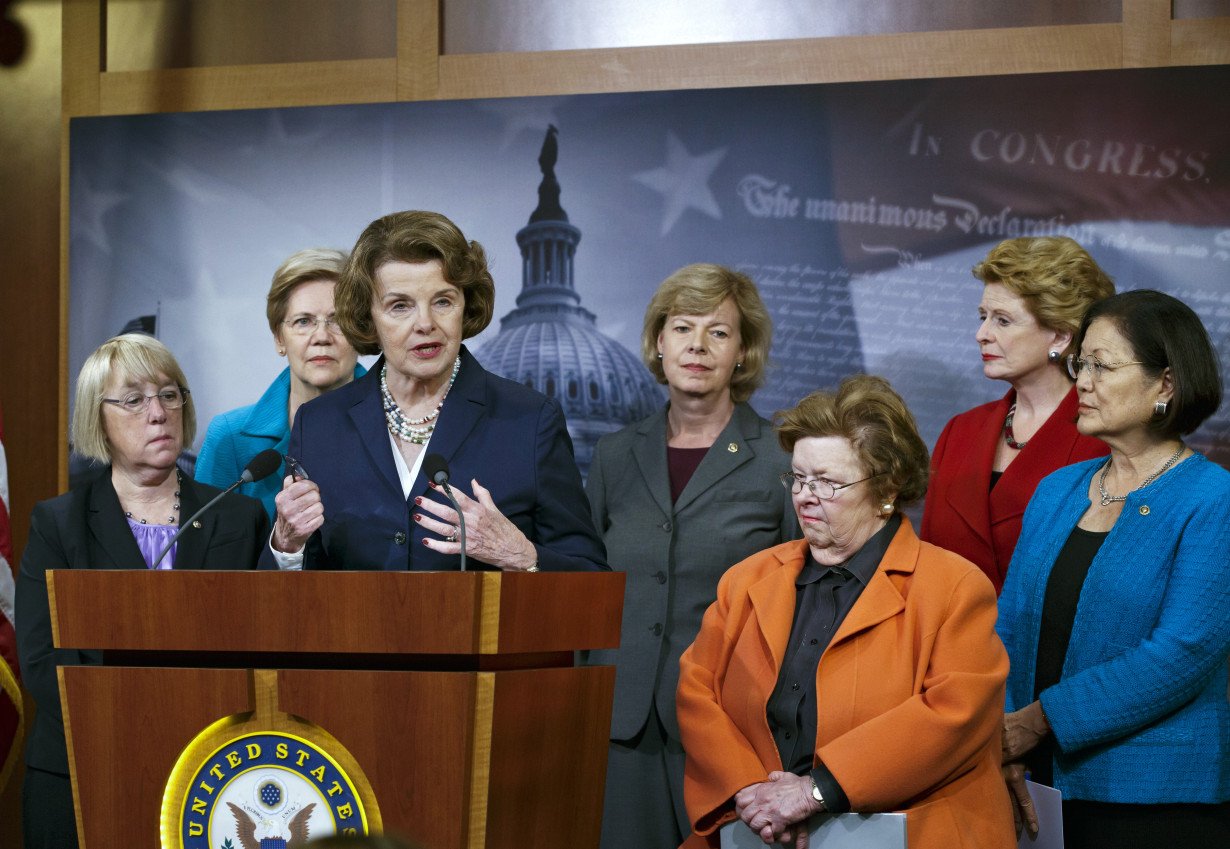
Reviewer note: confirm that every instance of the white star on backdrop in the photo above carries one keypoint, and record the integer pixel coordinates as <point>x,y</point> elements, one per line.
<point>683,182</point>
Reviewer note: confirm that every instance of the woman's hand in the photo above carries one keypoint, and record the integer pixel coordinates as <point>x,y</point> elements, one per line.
<point>300,514</point>
<point>778,809</point>
<point>1018,794</point>
<point>490,536</point>
<point>1024,729</point>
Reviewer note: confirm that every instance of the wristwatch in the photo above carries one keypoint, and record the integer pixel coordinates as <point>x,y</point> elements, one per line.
<point>816,794</point>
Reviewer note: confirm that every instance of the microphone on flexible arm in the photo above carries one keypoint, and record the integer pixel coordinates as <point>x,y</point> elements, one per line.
<point>435,468</point>
<point>261,466</point>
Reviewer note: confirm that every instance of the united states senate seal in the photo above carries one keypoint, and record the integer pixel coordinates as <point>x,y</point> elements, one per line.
<point>263,790</point>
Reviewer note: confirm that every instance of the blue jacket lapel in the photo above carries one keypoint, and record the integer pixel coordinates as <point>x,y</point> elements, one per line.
<point>367,416</point>
<point>463,408</point>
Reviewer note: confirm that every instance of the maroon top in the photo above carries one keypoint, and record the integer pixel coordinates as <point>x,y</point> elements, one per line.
<point>682,463</point>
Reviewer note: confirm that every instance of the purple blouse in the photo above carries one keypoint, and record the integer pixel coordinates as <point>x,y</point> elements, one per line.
<point>151,539</point>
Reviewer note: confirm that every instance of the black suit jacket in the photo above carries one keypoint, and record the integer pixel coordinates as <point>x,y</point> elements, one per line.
<point>85,529</point>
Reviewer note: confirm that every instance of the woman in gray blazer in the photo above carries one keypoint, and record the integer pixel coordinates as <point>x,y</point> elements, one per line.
<point>678,498</point>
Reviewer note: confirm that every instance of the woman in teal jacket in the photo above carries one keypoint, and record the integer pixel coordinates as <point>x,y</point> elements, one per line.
<point>1114,612</point>
<point>300,312</point>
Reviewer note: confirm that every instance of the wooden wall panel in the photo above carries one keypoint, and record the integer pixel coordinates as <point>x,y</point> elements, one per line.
<point>855,58</point>
<point>247,87</point>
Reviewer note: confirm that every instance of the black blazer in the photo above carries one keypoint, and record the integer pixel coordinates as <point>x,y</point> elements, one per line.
<point>85,529</point>
<point>513,440</point>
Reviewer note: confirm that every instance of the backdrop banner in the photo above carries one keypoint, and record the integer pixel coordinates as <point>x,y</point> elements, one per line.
<point>858,208</point>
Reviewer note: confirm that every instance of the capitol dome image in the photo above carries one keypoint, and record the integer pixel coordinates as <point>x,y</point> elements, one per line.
<point>552,344</point>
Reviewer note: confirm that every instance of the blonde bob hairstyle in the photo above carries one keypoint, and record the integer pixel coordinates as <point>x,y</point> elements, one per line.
<point>303,266</point>
<point>699,289</point>
<point>133,357</point>
<point>867,413</point>
<point>412,236</point>
<point>1055,277</point>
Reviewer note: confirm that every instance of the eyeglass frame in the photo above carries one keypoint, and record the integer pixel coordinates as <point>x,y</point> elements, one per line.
<point>331,325</point>
<point>794,484</point>
<point>1098,368</point>
<point>183,392</point>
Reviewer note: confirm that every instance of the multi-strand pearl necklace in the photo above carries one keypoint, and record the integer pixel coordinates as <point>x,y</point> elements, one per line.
<point>173,519</point>
<point>417,431</point>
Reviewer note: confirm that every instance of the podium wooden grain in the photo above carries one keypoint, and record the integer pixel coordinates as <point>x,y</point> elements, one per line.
<point>455,693</point>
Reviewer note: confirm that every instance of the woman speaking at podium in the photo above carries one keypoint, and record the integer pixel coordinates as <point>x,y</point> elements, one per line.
<point>134,412</point>
<point>413,289</point>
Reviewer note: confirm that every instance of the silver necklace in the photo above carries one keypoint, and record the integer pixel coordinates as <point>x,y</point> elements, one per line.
<point>417,431</point>
<point>173,518</point>
<point>1108,499</point>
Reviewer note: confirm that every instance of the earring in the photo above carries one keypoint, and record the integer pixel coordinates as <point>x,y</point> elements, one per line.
<point>659,355</point>
<point>281,352</point>
<point>1160,408</point>
<point>886,508</point>
<point>738,365</point>
<point>1053,356</point>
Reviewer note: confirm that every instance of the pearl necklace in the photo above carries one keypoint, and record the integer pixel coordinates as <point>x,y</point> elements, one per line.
<point>416,431</point>
<point>173,518</point>
<point>1108,499</point>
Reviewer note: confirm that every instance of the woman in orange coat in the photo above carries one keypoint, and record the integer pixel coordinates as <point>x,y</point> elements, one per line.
<point>854,670</point>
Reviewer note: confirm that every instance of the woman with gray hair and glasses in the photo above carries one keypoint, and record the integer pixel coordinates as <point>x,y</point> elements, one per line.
<point>133,412</point>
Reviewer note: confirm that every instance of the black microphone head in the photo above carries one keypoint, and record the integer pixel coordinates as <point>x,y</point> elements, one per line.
<point>435,468</point>
<point>262,465</point>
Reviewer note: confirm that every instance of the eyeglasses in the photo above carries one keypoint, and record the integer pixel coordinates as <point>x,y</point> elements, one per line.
<point>822,489</point>
<point>295,468</point>
<point>135,402</point>
<point>1096,367</point>
<point>305,325</point>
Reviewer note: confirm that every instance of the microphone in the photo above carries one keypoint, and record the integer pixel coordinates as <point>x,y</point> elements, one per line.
<point>260,467</point>
<point>435,468</point>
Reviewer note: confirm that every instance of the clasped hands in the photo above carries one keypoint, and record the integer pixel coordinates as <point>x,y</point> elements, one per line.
<point>778,809</point>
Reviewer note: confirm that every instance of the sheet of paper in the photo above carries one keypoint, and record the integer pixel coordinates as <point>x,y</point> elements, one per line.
<point>827,831</point>
<point>1048,805</point>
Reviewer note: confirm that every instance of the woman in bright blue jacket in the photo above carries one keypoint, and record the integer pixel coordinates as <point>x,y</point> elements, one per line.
<point>1116,610</point>
<point>300,312</point>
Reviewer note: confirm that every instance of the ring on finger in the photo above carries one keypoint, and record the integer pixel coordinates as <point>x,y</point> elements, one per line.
<point>452,536</point>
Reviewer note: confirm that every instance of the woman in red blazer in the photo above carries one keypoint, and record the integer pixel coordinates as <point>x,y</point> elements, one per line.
<point>988,460</point>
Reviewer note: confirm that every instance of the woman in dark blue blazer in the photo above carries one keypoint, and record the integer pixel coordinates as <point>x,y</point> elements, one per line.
<point>413,289</point>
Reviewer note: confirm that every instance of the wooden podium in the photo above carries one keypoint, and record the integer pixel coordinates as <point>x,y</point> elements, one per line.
<point>455,693</point>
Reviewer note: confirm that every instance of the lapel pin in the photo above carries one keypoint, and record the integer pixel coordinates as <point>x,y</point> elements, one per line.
<point>733,448</point>
<point>197,524</point>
